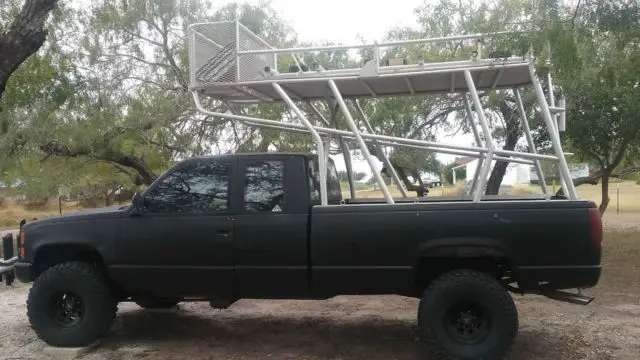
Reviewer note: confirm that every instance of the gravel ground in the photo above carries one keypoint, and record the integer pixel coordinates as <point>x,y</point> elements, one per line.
<point>367,327</point>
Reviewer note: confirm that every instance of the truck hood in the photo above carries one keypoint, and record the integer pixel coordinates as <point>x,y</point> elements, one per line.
<point>91,214</point>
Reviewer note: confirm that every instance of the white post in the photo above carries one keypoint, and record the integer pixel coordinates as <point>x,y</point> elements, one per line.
<point>476,135</point>
<point>361,143</point>
<point>322,164</point>
<point>532,146</point>
<point>486,167</point>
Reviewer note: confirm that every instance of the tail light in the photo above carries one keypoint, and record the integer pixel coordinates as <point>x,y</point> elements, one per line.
<point>595,220</point>
<point>21,245</point>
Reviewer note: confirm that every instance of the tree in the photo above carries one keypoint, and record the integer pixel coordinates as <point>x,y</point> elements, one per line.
<point>23,36</point>
<point>599,74</point>
<point>130,107</point>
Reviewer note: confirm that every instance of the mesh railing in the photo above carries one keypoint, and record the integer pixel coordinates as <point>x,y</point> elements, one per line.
<point>213,55</point>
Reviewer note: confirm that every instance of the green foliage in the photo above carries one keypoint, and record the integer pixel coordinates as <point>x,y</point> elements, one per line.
<point>447,171</point>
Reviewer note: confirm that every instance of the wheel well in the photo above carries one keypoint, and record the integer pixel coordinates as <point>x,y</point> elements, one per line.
<point>52,255</point>
<point>489,261</point>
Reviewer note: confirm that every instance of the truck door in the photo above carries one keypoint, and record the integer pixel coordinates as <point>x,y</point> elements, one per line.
<point>271,249</point>
<point>181,241</point>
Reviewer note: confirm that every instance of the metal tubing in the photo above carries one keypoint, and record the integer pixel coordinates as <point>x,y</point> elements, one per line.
<point>322,164</point>
<point>437,147</point>
<point>324,76</point>
<point>381,152</point>
<point>346,153</point>
<point>379,45</point>
<point>389,143</point>
<point>476,135</point>
<point>486,167</point>
<point>527,133</point>
<point>568,186</point>
<point>237,24</point>
<point>361,143</point>
<point>194,32</point>
<point>256,37</point>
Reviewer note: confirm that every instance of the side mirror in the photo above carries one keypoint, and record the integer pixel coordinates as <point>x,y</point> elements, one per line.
<point>137,202</point>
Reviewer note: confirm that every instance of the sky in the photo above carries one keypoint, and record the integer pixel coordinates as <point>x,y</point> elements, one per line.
<point>346,21</point>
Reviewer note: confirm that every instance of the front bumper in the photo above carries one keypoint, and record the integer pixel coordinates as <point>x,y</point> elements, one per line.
<point>7,270</point>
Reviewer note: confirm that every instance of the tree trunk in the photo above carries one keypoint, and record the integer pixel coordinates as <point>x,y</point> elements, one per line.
<point>497,174</point>
<point>25,36</point>
<point>512,131</point>
<point>605,192</point>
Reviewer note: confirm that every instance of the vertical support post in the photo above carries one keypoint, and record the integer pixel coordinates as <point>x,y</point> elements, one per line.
<point>476,135</point>
<point>322,164</point>
<point>376,56</point>
<point>567,183</point>
<point>486,166</point>
<point>618,198</point>
<point>552,103</point>
<point>363,146</point>
<point>562,119</point>
<point>237,26</point>
<point>381,153</point>
<point>346,153</point>
<point>532,146</point>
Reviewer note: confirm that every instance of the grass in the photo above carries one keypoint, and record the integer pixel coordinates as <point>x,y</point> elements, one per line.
<point>620,280</point>
<point>12,213</point>
<point>629,193</point>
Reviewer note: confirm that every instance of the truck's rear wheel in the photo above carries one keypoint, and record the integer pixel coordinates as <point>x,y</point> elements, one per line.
<point>70,304</point>
<point>467,314</point>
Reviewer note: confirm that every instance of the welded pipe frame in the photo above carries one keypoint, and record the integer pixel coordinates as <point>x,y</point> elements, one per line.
<point>477,152</point>
<point>300,130</point>
<point>522,158</point>
<point>363,147</point>
<point>381,152</point>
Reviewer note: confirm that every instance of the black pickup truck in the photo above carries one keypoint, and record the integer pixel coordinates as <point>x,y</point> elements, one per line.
<point>227,227</point>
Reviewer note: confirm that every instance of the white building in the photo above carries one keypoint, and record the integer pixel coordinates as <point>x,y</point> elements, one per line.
<point>518,174</point>
<point>514,175</point>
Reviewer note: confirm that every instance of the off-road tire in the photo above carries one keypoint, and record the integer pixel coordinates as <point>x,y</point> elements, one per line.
<point>87,284</point>
<point>476,289</point>
<point>157,303</point>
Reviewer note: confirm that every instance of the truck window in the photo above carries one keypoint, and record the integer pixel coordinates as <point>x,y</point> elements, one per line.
<point>196,187</point>
<point>333,183</point>
<point>264,187</point>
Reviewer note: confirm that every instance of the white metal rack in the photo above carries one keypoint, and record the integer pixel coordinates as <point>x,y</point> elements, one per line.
<point>230,63</point>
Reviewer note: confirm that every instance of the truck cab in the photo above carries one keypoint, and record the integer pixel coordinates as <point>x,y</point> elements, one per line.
<point>228,226</point>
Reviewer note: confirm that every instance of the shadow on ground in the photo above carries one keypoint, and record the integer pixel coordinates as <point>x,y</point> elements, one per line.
<point>138,334</point>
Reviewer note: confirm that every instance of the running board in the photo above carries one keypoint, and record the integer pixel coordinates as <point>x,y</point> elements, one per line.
<point>568,297</point>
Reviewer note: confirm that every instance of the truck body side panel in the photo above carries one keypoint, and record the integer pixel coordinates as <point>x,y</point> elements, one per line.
<point>370,249</point>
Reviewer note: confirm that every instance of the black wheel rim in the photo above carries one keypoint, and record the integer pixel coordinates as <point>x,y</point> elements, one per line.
<point>467,323</point>
<point>66,308</point>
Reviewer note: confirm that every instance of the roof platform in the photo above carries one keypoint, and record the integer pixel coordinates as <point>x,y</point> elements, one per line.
<point>230,63</point>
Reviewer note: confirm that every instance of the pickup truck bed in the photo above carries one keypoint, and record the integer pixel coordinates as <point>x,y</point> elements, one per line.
<point>383,248</point>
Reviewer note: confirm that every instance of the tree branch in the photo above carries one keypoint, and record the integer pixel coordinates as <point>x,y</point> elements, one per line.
<point>25,36</point>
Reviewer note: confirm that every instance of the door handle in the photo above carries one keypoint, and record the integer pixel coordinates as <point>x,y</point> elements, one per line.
<point>223,234</point>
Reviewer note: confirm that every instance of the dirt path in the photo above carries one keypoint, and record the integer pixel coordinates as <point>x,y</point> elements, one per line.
<point>340,328</point>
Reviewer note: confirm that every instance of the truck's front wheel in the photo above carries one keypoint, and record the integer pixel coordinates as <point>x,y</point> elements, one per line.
<point>467,314</point>
<point>70,304</point>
